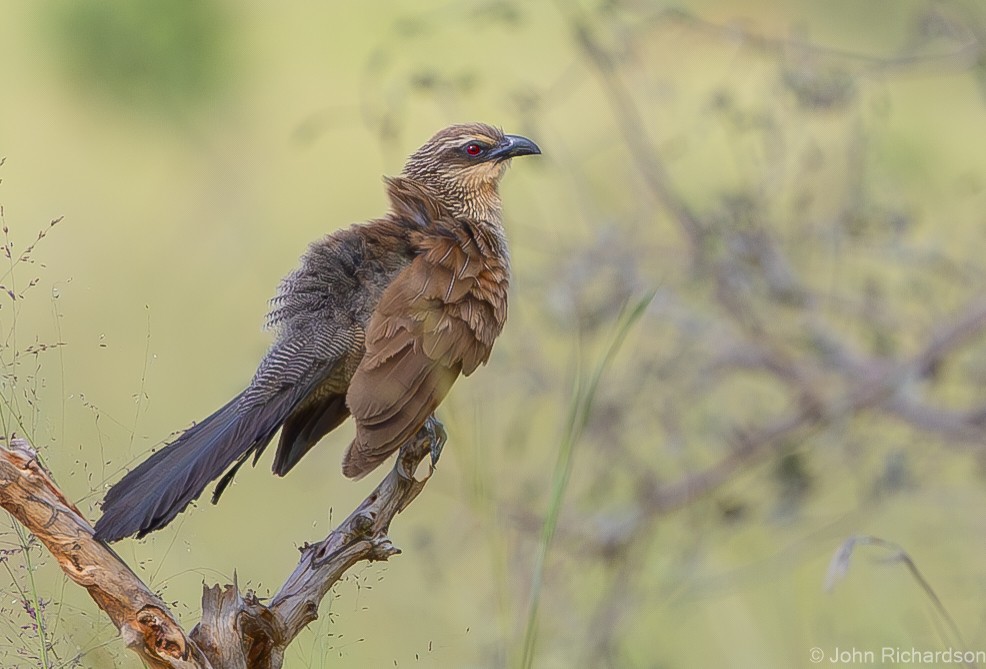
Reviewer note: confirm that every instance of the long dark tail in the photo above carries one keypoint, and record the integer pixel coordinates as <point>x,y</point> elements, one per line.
<point>150,496</point>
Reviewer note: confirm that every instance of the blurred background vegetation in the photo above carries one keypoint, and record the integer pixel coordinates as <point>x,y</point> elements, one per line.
<point>801,186</point>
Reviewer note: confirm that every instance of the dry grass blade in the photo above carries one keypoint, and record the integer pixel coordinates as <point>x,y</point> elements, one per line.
<point>579,411</point>
<point>839,567</point>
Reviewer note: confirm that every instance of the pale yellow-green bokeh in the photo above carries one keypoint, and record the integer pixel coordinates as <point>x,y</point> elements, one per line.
<point>178,224</point>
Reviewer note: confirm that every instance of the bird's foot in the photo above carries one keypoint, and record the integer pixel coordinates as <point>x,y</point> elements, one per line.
<point>431,435</point>
<point>437,436</point>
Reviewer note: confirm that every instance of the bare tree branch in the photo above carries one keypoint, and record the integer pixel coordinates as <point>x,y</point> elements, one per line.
<point>871,384</point>
<point>144,621</point>
<point>236,631</point>
<point>631,125</point>
<point>967,47</point>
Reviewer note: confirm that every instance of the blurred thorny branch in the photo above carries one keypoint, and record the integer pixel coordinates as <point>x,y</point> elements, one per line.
<point>750,258</point>
<point>797,307</point>
<point>750,262</point>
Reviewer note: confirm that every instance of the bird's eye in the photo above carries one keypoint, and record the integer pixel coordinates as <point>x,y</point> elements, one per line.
<point>474,149</point>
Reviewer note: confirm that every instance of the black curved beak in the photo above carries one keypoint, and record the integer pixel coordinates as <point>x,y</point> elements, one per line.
<point>512,146</point>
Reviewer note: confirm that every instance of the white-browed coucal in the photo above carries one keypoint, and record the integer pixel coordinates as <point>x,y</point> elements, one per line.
<point>377,323</point>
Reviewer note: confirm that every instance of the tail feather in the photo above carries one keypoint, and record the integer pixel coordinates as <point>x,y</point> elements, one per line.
<point>305,426</point>
<point>161,487</point>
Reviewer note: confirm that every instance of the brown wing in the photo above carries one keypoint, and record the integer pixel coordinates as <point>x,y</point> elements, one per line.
<point>437,319</point>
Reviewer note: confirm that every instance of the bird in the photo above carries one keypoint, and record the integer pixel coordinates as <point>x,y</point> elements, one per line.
<point>377,322</point>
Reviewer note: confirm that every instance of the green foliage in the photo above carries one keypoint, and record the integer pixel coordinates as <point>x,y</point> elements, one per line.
<point>142,54</point>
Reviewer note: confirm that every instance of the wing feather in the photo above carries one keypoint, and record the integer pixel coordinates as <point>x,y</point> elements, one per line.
<point>438,318</point>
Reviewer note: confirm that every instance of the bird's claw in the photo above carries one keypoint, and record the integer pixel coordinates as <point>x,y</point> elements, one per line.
<point>437,436</point>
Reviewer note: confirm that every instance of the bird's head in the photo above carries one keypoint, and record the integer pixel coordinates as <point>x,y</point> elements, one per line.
<point>462,165</point>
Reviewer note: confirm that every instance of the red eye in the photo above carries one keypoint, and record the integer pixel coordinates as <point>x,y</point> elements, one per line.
<point>474,149</point>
